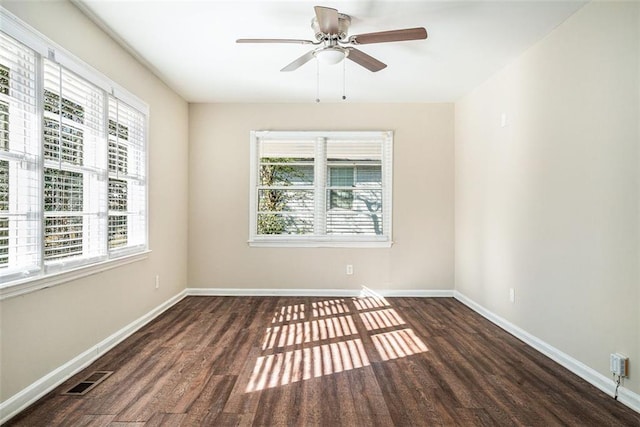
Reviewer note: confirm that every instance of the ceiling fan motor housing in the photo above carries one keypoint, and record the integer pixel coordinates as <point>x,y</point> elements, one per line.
<point>344,21</point>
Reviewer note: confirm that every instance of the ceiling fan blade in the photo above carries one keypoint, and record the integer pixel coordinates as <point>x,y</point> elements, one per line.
<point>367,61</point>
<point>299,62</point>
<point>327,19</point>
<point>294,41</point>
<point>390,36</point>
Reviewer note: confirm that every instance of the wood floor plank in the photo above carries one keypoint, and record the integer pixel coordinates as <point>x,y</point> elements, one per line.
<point>209,404</point>
<point>407,405</point>
<point>311,407</point>
<point>160,419</point>
<point>329,402</point>
<point>274,405</point>
<point>243,400</point>
<point>94,421</point>
<point>152,367</point>
<point>368,399</point>
<point>288,361</point>
<point>158,393</point>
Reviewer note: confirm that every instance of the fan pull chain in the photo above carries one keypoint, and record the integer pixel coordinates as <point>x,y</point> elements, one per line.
<point>317,80</point>
<point>344,79</point>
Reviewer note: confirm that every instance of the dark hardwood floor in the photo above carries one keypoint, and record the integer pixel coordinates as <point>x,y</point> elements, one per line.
<point>224,361</point>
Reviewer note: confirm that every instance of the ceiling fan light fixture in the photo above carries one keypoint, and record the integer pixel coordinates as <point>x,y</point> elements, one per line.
<point>331,55</point>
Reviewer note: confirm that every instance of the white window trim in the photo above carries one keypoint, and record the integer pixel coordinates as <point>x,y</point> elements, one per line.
<point>32,284</point>
<point>48,277</point>
<point>324,241</point>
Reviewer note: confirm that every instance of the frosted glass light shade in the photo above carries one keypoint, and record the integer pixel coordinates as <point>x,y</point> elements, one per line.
<point>330,55</point>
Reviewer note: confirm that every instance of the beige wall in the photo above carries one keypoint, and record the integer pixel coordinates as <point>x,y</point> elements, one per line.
<point>548,204</point>
<point>420,259</point>
<point>43,330</point>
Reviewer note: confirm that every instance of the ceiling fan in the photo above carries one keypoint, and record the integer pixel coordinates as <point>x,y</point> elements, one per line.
<point>331,28</point>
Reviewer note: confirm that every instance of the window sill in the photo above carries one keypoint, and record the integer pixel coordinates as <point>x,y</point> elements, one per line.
<point>32,284</point>
<point>308,243</point>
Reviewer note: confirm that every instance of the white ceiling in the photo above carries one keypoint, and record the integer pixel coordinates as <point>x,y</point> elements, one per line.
<point>191,46</point>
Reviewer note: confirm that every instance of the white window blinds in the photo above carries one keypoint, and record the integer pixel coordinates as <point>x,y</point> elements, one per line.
<point>355,187</point>
<point>19,157</point>
<point>74,168</point>
<point>73,188</point>
<point>321,188</point>
<point>127,195</point>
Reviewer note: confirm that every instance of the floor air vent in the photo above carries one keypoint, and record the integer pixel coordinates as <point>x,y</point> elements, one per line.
<point>88,384</point>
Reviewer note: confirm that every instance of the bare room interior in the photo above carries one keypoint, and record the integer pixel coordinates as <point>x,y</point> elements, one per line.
<point>319,213</point>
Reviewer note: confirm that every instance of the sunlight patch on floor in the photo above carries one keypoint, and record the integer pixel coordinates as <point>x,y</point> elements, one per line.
<point>328,308</point>
<point>366,303</point>
<point>310,331</point>
<point>288,313</point>
<point>292,366</point>
<point>326,339</point>
<point>397,344</point>
<point>381,319</point>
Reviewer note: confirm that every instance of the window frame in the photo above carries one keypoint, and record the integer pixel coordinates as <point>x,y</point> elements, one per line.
<point>321,187</point>
<point>15,283</point>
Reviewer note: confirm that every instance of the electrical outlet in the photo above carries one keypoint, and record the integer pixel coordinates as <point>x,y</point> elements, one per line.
<point>349,269</point>
<point>512,295</point>
<point>619,364</point>
<point>157,281</point>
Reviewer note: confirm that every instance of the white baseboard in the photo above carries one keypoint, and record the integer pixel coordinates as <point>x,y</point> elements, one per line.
<point>602,382</point>
<point>435,293</point>
<point>21,400</point>
<point>317,292</point>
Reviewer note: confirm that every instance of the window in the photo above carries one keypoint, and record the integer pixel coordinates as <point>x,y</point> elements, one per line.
<point>4,210</point>
<point>73,137</point>
<point>20,210</point>
<point>72,162</point>
<point>126,166</point>
<point>321,188</point>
